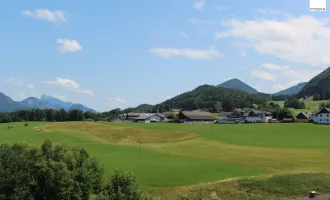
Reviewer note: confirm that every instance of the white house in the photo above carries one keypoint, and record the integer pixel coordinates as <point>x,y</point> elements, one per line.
<point>148,118</point>
<point>322,116</point>
<point>258,117</point>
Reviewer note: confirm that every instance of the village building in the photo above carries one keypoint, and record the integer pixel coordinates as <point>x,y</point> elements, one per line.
<point>132,116</point>
<point>116,118</point>
<point>304,117</point>
<point>147,118</point>
<point>241,116</point>
<point>192,117</point>
<point>322,116</point>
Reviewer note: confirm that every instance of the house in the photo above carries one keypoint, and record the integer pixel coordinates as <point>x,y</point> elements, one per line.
<point>322,116</point>
<point>196,117</point>
<point>287,120</point>
<point>224,118</point>
<point>161,116</point>
<point>303,117</point>
<point>148,118</point>
<point>116,118</point>
<point>132,116</point>
<point>258,116</point>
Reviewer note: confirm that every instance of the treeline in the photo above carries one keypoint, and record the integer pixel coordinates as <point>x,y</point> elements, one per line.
<point>60,172</point>
<point>49,115</point>
<point>277,112</point>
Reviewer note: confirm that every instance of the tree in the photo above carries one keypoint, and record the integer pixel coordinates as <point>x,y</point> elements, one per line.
<point>123,186</point>
<point>217,106</point>
<point>48,173</point>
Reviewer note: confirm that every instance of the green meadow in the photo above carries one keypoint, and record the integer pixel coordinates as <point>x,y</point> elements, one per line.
<point>171,156</point>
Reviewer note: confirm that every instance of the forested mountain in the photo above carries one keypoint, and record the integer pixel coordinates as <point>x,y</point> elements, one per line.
<point>33,102</point>
<point>8,105</point>
<point>319,87</point>
<point>209,97</point>
<point>291,90</point>
<point>81,107</point>
<point>143,108</point>
<point>237,84</point>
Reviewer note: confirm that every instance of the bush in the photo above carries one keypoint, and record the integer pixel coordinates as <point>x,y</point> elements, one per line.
<point>26,124</point>
<point>122,186</point>
<point>47,173</point>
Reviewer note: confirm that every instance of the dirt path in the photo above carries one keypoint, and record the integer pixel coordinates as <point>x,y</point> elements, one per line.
<point>318,197</point>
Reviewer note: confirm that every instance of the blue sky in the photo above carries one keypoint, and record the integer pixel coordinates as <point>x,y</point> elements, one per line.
<point>110,54</point>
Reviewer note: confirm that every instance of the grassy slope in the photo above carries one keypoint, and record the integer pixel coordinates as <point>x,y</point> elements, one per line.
<point>310,105</point>
<point>216,152</point>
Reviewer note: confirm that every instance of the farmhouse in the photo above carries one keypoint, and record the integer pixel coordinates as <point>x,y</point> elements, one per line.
<point>148,118</point>
<point>322,116</point>
<point>115,118</point>
<point>224,118</point>
<point>132,116</point>
<point>258,116</point>
<point>304,117</point>
<point>196,117</point>
<point>240,116</point>
<point>161,116</point>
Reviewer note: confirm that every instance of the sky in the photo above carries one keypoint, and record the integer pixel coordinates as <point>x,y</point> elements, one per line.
<point>119,54</point>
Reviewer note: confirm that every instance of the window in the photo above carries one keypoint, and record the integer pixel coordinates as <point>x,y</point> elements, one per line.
<point>320,115</point>
<point>320,120</point>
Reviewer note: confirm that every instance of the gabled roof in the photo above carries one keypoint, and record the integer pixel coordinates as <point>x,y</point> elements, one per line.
<point>324,110</point>
<point>198,115</point>
<point>146,116</point>
<point>137,114</point>
<point>160,115</point>
<point>305,115</point>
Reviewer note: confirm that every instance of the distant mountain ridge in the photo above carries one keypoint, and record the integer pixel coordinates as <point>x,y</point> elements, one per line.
<point>291,90</point>
<point>45,102</point>
<point>318,87</point>
<point>237,84</point>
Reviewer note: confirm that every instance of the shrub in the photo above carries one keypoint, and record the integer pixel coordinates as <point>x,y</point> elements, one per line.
<point>26,124</point>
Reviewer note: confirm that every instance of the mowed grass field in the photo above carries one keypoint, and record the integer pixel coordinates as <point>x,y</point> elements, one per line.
<point>179,155</point>
<point>310,105</point>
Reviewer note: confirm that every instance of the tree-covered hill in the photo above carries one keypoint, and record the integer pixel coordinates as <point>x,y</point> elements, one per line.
<point>291,90</point>
<point>319,87</point>
<point>237,84</point>
<point>209,97</point>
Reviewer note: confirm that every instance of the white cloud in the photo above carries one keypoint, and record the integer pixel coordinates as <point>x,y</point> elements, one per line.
<point>121,100</point>
<point>303,39</point>
<point>199,5</point>
<point>220,8</point>
<point>198,21</point>
<point>14,81</point>
<point>68,45</point>
<point>30,86</point>
<point>67,83</point>
<point>70,85</point>
<point>259,74</point>
<point>60,97</point>
<point>46,15</point>
<point>285,70</point>
<point>189,53</point>
<point>183,34</point>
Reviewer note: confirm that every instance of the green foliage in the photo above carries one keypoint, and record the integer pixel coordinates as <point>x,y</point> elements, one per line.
<point>48,173</point>
<point>318,87</point>
<point>293,102</point>
<point>324,104</point>
<point>122,186</point>
<point>237,84</point>
<point>206,96</point>
<point>26,124</point>
<point>172,116</point>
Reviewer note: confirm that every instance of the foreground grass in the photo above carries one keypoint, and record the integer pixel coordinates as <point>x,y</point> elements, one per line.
<point>271,188</point>
<point>176,155</point>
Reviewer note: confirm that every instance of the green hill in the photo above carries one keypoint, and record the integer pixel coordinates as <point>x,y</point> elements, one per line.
<point>207,96</point>
<point>237,84</point>
<point>291,90</point>
<point>319,87</point>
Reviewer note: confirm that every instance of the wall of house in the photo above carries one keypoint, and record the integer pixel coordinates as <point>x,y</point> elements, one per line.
<point>254,119</point>
<point>154,118</point>
<point>322,118</point>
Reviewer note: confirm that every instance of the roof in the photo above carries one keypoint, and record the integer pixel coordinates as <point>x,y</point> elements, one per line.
<point>136,114</point>
<point>327,110</point>
<point>225,113</point>
<point>198,115</point>
<point>287,119</point>
<point>145,116</point>
<point>304,114</point>
<point>161,115</point>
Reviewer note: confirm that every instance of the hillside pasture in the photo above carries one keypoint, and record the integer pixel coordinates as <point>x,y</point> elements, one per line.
<point>178,155</point>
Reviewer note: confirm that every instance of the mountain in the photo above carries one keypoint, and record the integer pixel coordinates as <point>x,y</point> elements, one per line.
<point>237,84</point>
<point>56,102</point>
<point>291,90</point>
<point>33,102</point>
<point>319,87</point>
<point>59,104</point>
<point>81,107</point>
<point>9,105</point>
<point>207,96</point>
<point>143,108</point>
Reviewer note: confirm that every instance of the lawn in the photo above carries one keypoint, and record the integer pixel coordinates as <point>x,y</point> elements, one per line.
<point>166,155</point>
